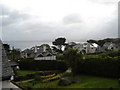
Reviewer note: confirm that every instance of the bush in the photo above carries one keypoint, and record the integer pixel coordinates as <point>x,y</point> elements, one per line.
<point>38,78</point>
<point>52,78</point>
<point>107,66</point>
<point>66,74</point>
<point>25,77</point>
<point>119,80</point>
<point>111,53</point>
<point>48,76</point>
<point>59,57</point>
<point>42,65</point>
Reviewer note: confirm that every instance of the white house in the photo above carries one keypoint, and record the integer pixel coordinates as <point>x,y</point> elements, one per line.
<point>111,46</point>
<point>45,56</point>
<point>36,50</point>
<point>87,47</point>
<point>42,52</point>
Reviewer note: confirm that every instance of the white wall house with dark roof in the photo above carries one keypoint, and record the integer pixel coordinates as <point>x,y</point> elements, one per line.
<point>42,52</point>
<point>111,46</point>
<point>87,47</point>
<point>45,56</point>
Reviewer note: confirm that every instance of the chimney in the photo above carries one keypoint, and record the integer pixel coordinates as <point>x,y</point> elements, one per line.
<point>35,49</point>
<point>44,48</point>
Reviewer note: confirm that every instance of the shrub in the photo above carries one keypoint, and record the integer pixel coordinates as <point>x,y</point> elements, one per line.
<point>38,78</point>
<point>111,53</point>
<point>59,57</point>
<point>66,74</point>
<point>25,77</point>
<point>52,78</point>
<point>48,76</point>
<point>119,80</point>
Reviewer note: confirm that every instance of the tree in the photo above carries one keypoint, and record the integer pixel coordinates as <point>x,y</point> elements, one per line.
<point>72,57</point>
<point>55,50</point>
<point>14,54</point>
<point>59,42</point>
<point>6,47</point>
<point>92,41</point>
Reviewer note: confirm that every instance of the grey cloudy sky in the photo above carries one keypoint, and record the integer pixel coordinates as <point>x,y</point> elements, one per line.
<point>45,20</point>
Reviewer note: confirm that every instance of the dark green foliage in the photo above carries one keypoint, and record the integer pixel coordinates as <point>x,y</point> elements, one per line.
<point>106,67</point>
<point>113,53</point>
<point>26,59</point>
<point>6,47</point>
<point>38,78</point>
<point>59,42</point>
<point>72,57</point>
<point>119,80</point>
<point>59,57</point>
<point>42,65</point>
<point>25,77</point>
<point>110,53</point>
<point>14,54</point>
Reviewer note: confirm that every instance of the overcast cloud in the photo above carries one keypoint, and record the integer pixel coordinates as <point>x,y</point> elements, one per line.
<point>76,20</point>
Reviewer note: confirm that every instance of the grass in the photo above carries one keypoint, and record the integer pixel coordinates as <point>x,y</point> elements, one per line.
<point>46,85</point>
<point>95,82</point>
<point>86,82</point>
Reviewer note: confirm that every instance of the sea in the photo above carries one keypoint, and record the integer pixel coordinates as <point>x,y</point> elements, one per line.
<point>22,45</point>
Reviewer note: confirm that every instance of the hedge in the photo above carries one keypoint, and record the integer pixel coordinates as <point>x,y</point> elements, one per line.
<point>106,67</point>
<point>99,66</point>
<point>42,65</point>
<point>111,53</point>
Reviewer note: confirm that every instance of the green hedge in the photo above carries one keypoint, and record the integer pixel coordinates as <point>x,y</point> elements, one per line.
<point>107,67</point>
<point>42,65</point>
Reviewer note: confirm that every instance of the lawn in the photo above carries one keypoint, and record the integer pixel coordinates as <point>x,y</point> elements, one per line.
<point>86,82</point>
<point>95,82</point>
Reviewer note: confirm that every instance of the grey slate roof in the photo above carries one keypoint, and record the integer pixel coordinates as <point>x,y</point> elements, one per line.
<point>4,64</point>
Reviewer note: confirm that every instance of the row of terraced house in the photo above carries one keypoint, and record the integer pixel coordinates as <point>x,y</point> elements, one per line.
<point>44,52</point>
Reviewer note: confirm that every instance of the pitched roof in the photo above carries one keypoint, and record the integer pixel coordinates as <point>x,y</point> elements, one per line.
<point>4,64</point>
<point>44,54</point>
